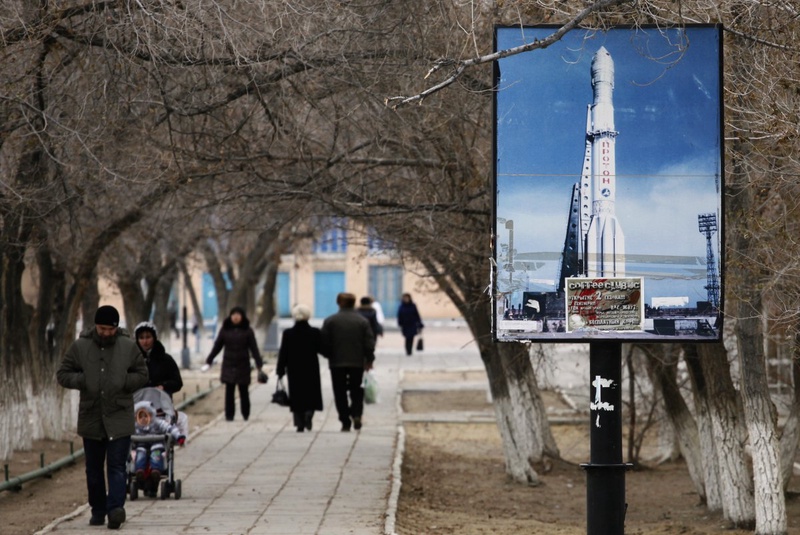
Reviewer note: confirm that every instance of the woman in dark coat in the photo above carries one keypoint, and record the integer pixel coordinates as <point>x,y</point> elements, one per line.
<point>297,356</point>
<point>409,321</point>
<point>239,342</point>
<point>164,372</point>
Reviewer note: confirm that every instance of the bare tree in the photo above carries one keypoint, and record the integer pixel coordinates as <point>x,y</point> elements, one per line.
<point>283,102</point>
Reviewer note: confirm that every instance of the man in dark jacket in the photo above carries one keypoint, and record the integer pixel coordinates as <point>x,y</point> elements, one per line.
<point>349,345</point>
<point>106,366</point>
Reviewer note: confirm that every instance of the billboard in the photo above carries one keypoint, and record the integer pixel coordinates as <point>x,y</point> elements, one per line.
<point>608,177</point>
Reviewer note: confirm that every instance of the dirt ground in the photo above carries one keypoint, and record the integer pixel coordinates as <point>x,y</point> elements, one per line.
<point>453,480</point>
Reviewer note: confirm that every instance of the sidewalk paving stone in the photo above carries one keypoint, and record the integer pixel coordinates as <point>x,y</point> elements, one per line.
<point>263,477</point>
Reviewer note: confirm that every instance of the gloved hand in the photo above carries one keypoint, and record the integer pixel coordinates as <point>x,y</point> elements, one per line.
<point>181,440</point>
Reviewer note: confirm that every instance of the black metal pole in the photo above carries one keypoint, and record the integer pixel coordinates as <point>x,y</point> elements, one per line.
<point>185,360</point>
<point>605,473</point>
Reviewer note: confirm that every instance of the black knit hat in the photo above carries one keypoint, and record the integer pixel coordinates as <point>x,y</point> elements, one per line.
<point>106,315</point>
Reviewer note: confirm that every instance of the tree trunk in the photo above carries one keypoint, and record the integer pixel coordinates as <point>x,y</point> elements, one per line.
<point>518,406</point>
<point>761,417</point>
<point>16,358</point>
<point>160,303</point>
<point>251,270</point>
<point>197,310</point>
<point>268,309</point>
<point>662,366</point>
<point>132,300</point>
<point>528,442</point>
<point>730,437</point>
<point>89,297</point>
<point>15,355</point>
<point>705,431</point>
<point>791,430</point>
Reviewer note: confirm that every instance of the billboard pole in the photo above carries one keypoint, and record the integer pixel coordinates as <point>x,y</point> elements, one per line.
<point>605,472</point>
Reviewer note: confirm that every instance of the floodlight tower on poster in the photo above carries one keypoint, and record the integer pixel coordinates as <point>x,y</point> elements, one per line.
<point>708,226</point>
<point>597,132</point>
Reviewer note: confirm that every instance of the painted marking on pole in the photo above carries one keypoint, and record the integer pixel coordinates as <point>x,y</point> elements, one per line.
<point>599,383</point>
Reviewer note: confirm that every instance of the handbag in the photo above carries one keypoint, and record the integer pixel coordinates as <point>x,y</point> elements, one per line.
<point>420,344</point>
<point>280,396</point>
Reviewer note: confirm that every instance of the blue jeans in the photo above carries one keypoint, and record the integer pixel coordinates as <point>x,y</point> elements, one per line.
<point>113,454</point>
<point>152,457</point>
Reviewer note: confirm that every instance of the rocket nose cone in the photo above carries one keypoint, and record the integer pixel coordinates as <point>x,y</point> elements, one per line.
<point>602,57</point>
<point>602,65</point>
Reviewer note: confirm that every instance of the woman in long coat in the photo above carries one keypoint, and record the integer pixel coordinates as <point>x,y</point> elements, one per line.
<point>239,342</point>
<point>297,356</point>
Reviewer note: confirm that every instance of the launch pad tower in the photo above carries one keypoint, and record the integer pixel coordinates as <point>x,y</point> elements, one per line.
<point>707,224</point>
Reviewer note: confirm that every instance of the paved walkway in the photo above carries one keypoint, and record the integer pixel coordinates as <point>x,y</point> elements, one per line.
<point>263,477</point>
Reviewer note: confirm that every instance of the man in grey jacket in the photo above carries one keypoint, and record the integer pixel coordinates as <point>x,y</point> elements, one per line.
<point>349,345</point>
<point>107,367</point>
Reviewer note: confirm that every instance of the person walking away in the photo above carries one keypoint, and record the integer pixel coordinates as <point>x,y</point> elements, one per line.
<point>409,321</point>
<point>349,346</point>
<point>298,356</point>
<point>378,312</point>
<point>149,461</point>
<point>239,342</point>
<point>106,367</point>
<point>371,315</point>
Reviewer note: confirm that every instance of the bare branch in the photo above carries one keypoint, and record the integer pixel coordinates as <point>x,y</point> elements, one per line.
<point>462,65</point>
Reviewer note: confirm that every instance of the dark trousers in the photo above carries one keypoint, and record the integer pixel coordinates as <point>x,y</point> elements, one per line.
<point>106,456</point>
<point>409,344</point>
<point>348,380</point>
<point>230,400</point>
<point>301,418</point>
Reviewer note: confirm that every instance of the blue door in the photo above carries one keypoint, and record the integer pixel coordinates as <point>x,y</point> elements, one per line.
<point>386,287</point>
<point>209,299</point>
<point>327,285</point>
<point>282,291</point>
<point>210,307</point>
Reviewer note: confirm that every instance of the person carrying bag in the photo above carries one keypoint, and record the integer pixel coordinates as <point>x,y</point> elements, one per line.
<point>298,358</point>
<point>281,396</point>
<point>410,322</point>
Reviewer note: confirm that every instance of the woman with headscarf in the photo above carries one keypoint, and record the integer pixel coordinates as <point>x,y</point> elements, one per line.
<point>239,342</point>
<point>298,356</point>
<point>164,372</point>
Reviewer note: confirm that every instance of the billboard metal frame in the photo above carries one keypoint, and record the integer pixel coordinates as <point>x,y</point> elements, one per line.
<point>609,164</point>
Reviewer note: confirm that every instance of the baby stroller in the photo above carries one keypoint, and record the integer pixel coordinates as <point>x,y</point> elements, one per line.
<point>165,410</point>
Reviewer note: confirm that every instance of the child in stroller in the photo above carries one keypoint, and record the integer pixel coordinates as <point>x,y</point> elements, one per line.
<point>152,453</point>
